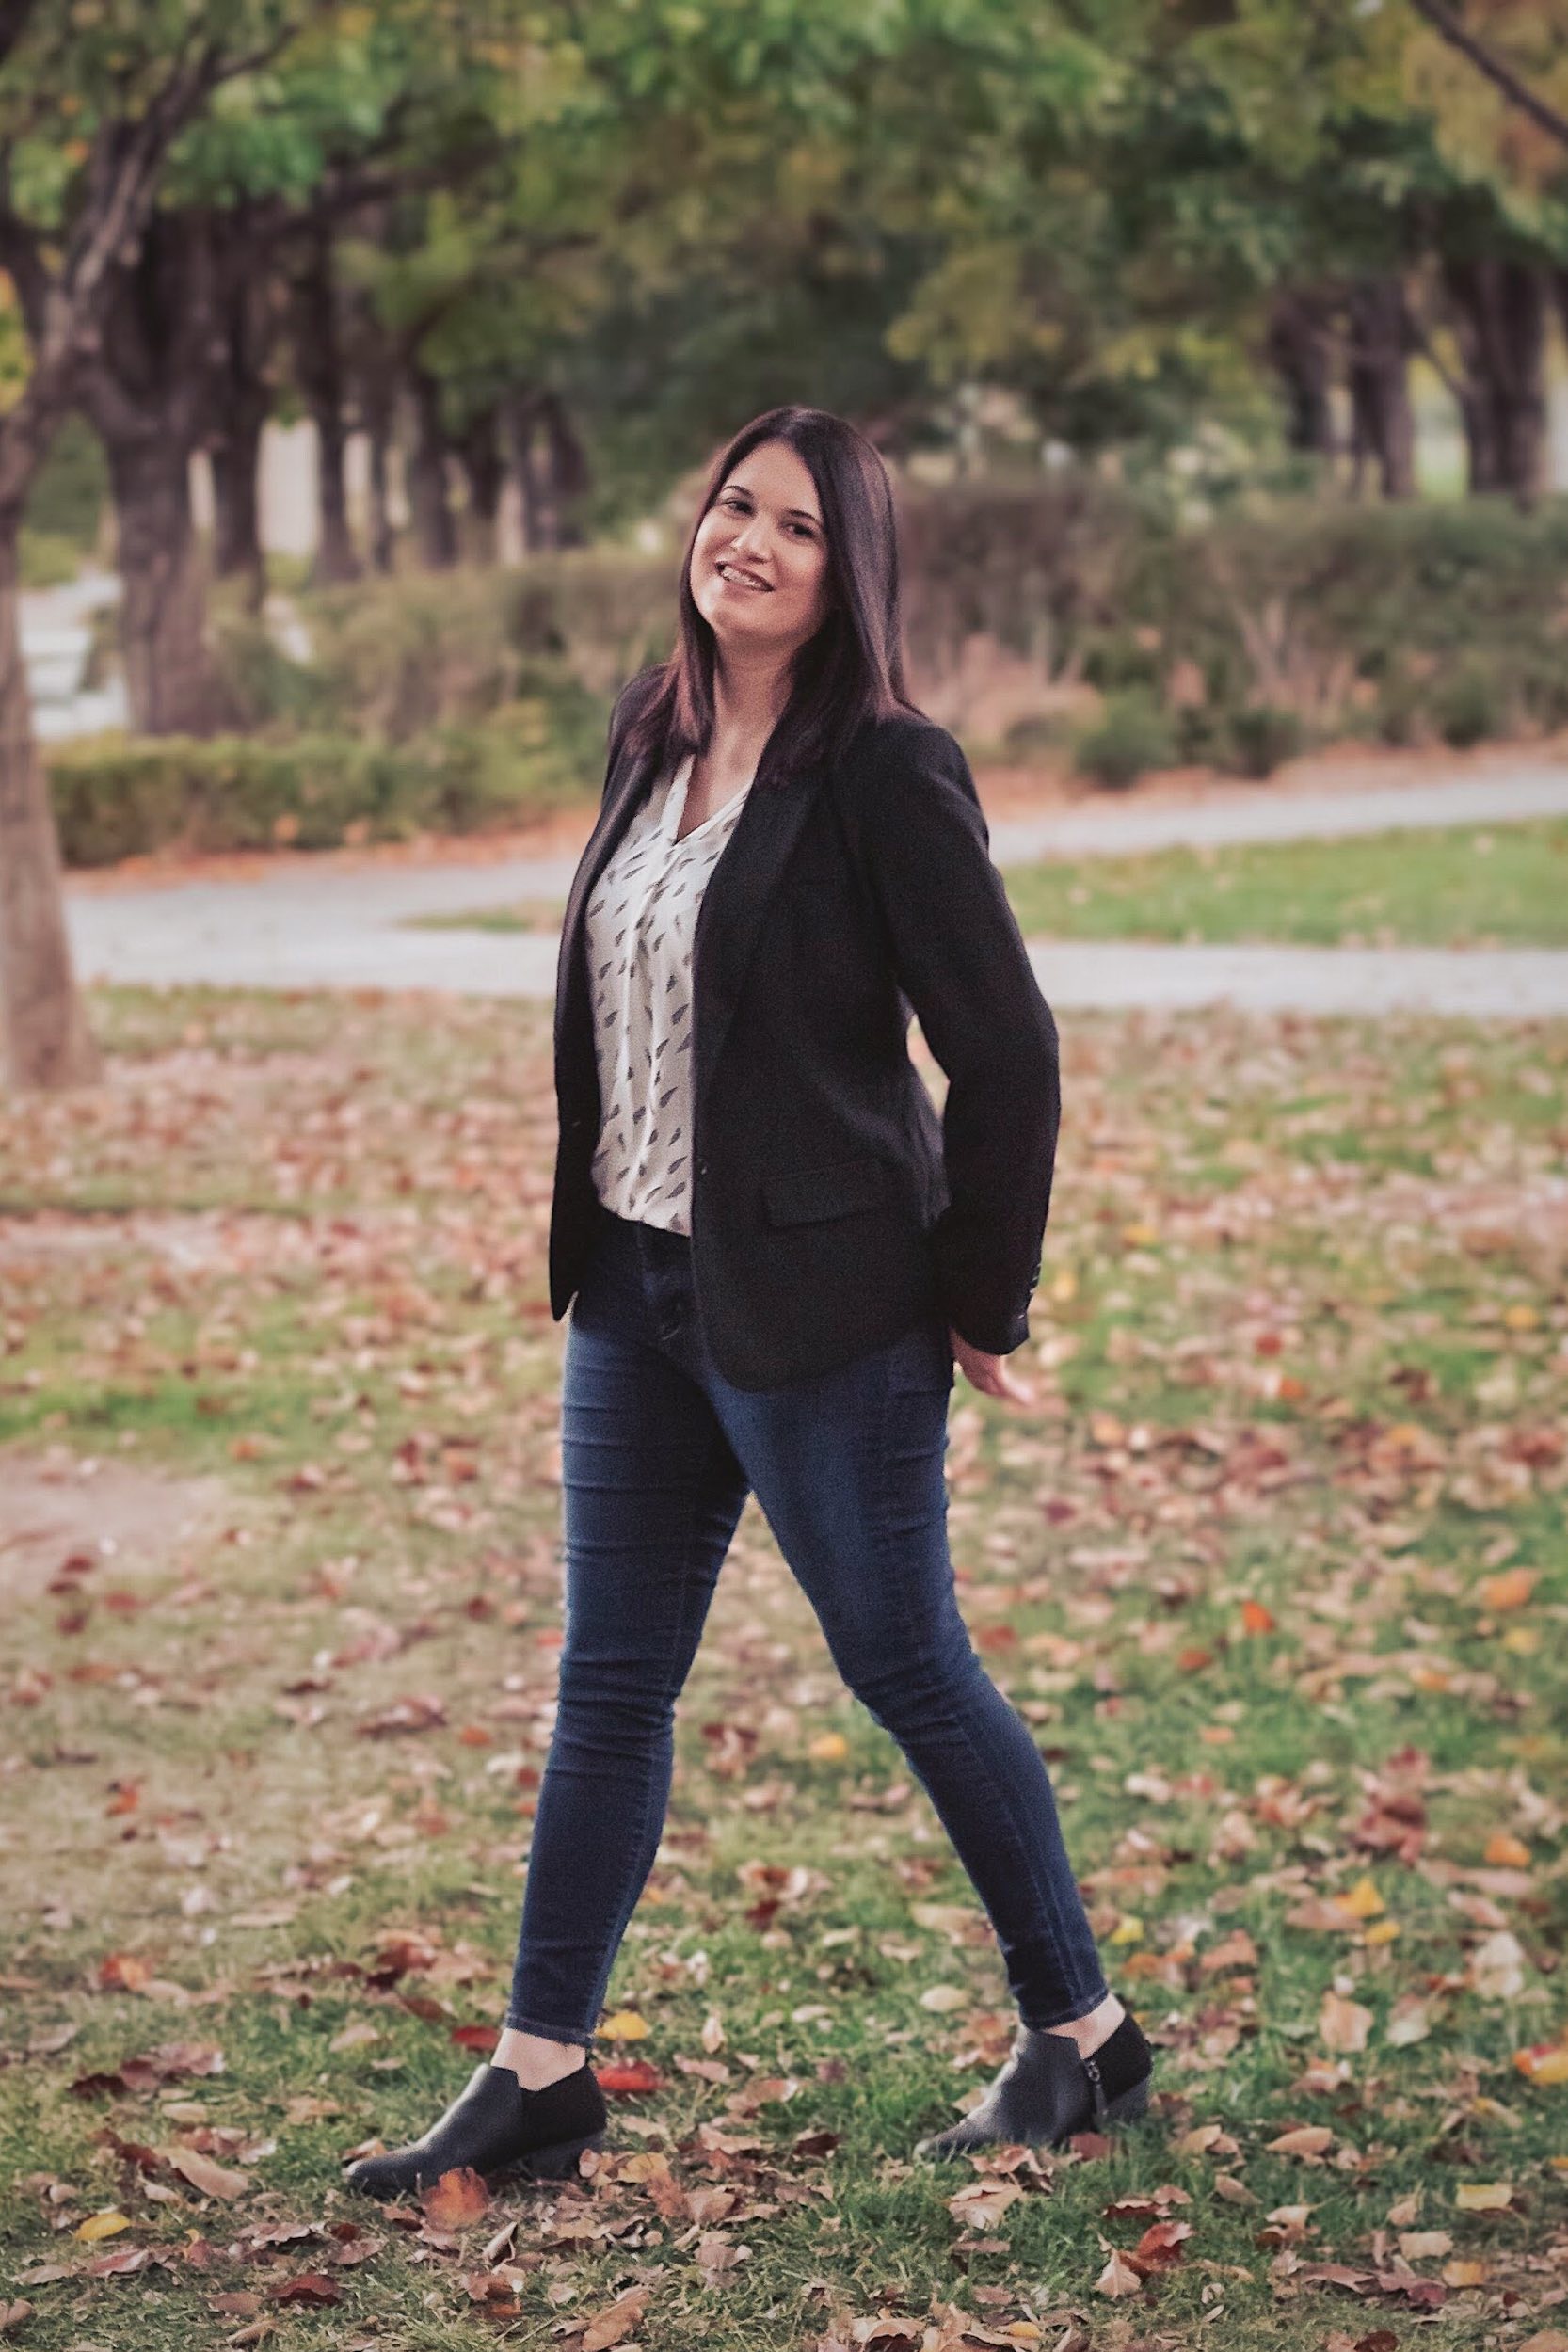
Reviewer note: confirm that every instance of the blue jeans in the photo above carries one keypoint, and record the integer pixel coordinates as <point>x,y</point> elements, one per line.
<point>658,1452</point>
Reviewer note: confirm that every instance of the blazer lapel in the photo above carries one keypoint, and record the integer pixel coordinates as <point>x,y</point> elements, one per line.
<point>734,904</point>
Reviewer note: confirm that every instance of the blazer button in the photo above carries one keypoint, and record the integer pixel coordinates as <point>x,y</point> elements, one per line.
<point>702,1167</point>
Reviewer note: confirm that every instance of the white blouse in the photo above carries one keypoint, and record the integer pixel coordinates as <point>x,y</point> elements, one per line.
<point>639,928</point>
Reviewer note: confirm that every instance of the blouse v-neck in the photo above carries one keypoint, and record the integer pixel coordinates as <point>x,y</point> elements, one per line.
<point>675,809</point>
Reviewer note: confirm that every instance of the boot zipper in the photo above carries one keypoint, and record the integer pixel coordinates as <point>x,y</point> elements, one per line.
<point>1091,2068</point>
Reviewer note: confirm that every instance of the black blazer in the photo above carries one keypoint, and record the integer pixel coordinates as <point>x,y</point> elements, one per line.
<point>830,1207</point>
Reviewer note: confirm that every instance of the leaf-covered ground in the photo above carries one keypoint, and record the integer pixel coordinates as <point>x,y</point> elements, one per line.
<point>1467,886</point>
<point>1275,1571</point>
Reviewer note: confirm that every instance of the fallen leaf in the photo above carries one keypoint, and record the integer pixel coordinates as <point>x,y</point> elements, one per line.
<point>941,2000</point>
<point>1306,2139</point>
<point>625,2025</point>
<point>631,2079</point>
<point>312,2288</point>
<point>1344,2025</point>
<point>456,2201</point>
<point>100,2225</point>
<point>1511,1589</point>
<point>1119,2278</point>
<point>210,2179</point>
<point>614,2325</point>
<point>1484,2195</point>
<point>1425,2245</point>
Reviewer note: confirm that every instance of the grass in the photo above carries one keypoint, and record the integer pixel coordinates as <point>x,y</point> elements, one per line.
<point>1274,1570</point>
<point>1498,886</point>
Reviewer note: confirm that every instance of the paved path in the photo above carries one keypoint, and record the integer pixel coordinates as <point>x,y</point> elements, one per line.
<point>342,927</point>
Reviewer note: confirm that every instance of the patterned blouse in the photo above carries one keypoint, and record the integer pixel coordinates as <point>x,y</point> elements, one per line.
<point>640,926</point>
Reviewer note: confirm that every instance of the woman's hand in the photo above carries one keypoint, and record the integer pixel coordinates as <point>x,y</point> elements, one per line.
<point>988,1373</point>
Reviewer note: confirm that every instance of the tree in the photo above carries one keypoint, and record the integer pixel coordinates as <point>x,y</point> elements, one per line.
<point>133,77</point>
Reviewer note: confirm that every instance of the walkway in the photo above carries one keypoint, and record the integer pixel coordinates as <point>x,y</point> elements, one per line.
<point>345,925</point>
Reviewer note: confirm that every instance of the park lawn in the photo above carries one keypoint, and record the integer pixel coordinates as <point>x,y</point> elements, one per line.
<point>1465,886</point>
<point>1274,1567</point>
<point>1462,886</point>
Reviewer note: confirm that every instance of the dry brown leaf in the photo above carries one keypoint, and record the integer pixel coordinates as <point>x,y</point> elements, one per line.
<point>621,2320</point>
<point>1119,2278</point>
<point>456,2201</point>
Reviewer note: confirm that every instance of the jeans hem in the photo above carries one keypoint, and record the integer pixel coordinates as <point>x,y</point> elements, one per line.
<point>1066,2017</point>
<point>548,2033</point>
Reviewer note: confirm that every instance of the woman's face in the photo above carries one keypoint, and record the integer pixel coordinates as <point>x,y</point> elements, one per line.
<point>760,575</point>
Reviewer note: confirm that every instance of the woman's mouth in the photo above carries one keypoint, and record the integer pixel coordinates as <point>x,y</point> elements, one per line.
<point>739,579</point>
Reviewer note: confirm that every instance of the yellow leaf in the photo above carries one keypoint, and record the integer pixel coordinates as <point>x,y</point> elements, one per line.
<point>625,2025</point>
<point>1460,2273</point>
<point>1484,2195</point>
<point>101,2225</point>
<point>828,1748</point>
<point>1361,1901</point>
<point>1064,1286</point>
<point>1520,1317</point>
<point>1546,2062</point>
<point>1382,1931</point>
<point>1128,1929</point>
<point>1508,1853</point>
<point>1140,1237</point>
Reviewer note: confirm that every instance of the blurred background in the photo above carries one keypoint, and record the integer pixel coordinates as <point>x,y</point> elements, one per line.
<point>1217,346</point>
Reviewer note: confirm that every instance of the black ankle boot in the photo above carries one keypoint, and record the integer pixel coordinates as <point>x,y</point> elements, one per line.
<point>1045,2092</point>
<point>494,2128</point>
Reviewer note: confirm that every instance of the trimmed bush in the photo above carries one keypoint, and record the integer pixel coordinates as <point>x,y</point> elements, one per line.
<point>119,797</point>
<point>1468,706</point>
<point>1132,736</point>
<point>1263,737</point>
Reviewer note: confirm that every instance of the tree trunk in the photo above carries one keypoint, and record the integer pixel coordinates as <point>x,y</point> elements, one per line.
<point>569,471</point>
<point>519,418</point>
<point>47,1041</point>
<point>1384,427</point>
<point>169,674</point>
<point>319,370</point>
<point>1499,309</point>
<point>235,457</point>
<point>435,533</point>
<point>478,448</point>
<point>1299,346</point>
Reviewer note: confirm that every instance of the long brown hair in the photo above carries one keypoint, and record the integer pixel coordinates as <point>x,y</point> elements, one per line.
<point>851,669</point>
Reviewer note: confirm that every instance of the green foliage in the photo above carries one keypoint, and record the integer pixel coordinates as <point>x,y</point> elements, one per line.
<point>46,559</point>
<point>72,488</point>
<point>118,797</point>
<point>1467,704</point>
<point>1132,735</point>
<point>1263,737</point>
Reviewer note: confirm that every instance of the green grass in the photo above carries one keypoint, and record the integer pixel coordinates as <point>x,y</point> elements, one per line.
<point>1503,885</point>
<point>1302,1342</point>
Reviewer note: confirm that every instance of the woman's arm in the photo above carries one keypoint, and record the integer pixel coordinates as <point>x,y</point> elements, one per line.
<point>960,961</point>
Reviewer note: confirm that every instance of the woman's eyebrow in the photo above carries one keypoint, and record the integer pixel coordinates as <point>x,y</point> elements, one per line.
<point>805,514</point>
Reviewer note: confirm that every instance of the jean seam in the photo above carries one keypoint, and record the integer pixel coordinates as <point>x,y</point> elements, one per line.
<point>670,1692</point>
<point>1046,1900</point>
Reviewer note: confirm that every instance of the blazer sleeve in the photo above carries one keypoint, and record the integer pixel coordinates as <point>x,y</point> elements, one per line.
<point>960,959</point>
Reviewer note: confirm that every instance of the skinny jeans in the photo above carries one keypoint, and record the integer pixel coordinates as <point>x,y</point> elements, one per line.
<point>658,1452</point>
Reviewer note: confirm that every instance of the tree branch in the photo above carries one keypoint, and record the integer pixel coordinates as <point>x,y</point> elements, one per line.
<point>1515,89</point>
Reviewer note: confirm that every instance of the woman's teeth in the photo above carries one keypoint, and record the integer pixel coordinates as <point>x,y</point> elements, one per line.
<point>741,579</point>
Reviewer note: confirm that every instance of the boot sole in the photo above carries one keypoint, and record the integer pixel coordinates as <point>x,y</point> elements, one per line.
<point>1133,2104</point>
<point>542,2164</point>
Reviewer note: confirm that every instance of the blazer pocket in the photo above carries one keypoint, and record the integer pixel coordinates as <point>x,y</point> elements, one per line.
<point>799,1196</point>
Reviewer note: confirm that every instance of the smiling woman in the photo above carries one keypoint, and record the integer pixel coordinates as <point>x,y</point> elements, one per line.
<point>773,1252</point>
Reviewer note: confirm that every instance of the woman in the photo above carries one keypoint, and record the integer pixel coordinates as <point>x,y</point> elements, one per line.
<point>777,1251</point>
